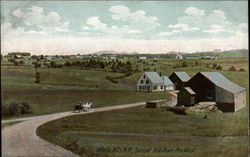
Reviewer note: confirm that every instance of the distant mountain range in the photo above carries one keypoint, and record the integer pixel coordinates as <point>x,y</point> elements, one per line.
<point>170,52</point>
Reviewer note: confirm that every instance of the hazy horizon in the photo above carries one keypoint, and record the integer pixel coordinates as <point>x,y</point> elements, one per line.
<point>75,27</point>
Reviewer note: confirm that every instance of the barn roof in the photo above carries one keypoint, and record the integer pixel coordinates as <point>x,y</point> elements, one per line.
<point>189,90</point>
<point>221,81</point>
<point>183,76</point>
<point>154,77</point>
<point>167,81</point>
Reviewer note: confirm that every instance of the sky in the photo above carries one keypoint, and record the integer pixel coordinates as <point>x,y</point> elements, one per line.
<point>64,27</point>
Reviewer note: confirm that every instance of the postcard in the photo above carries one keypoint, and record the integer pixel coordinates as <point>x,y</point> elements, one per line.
<point>124,78</point>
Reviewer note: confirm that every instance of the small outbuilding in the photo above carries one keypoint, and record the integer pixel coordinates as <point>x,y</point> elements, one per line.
<point>186,97</point>
<point>179,79</point>
<point>168,84</point>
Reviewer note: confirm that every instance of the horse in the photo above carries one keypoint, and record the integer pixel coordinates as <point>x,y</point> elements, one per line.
<point>78,108</point>
<point>87,106</point>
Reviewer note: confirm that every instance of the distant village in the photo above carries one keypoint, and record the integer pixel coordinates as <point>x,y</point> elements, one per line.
<point>114,55</point>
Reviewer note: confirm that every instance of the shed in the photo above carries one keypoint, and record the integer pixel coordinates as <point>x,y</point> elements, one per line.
<point>186,97</point>
<point>179,79</point>
<point>214,87</point>
<point>168,84</point>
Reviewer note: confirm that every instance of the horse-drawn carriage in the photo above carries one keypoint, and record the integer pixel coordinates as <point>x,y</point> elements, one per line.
<point>83,106</point>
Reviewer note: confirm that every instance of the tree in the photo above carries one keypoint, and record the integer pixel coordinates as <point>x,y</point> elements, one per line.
<point>14,108</point>
<point>184,64</point>
<point>232,68</point>
<point>242,70</point>
<point>219,67</point>
<point>214,65</point>
<point>196,63</point>
<point>21,62</point>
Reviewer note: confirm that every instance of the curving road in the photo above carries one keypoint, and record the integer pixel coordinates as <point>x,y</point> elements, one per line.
<point>21,140</point>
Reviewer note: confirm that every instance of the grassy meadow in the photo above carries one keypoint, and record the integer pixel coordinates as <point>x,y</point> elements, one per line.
<point>148,130</point>
<point>222,134</point>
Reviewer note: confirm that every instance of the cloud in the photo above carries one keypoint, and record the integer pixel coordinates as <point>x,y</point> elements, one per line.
<point>191,11</point>
<point>95,27</point>
<point>96,23</point>
<point>183,27</point>
<point>215,29</point>
<point>8,31</point>
<point>136,20</point>
<point>198,18</point>
<point>35,16</point>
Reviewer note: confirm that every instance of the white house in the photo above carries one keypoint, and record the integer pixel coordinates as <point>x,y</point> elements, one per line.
<point>150,81</point>
<point>179,56</point>
<point>142,57</point>
<point>168,84</point>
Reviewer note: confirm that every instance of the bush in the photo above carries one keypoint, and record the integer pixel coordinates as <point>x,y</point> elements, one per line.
<point>25,108</point>
<point>242,70</point>
<point>14,108</point>
<point>184,64</point>
<point>5,111</point>
<point>214,65</point>
<point>12,60</point>
<point>232,68</point>
<point>219,67</point>
<point>18,108</point>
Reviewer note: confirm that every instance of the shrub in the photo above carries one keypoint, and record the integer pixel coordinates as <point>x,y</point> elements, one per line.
<point>214,65</point>
<point>67,64</point>
<point>242,70</point>
<point>5,111</point>
<point>14,108</point>
<point>25,108</point>
<point>232,68</point>
<point>18,108</point>
<point>21,62</point>
<point>219,67</point>
<point>12,60</point>
<point>184,64</point>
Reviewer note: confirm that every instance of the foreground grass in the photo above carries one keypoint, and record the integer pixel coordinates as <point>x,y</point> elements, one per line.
<point>219,135</point>
<point>3,125</point>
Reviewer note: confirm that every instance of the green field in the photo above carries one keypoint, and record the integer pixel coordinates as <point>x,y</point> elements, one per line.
<point>219,135</point>
<point>61,89</point>
<point>222,134</point>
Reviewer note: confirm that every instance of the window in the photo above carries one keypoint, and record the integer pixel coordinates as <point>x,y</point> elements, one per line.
<point>147,81</point>
<point>161,87</point>
<point>141,81</point>
<point>155,87</point>
<point>140,87</point>
<point>144,76</point>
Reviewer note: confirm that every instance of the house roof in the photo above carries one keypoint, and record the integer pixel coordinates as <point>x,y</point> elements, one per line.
<point>154,77</point>
<point>189,90</point>
<point>221,81</point>
<point>166,80</point>
<point>183,76</point>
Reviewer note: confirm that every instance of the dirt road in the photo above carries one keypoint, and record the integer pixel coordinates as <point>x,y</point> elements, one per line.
<point>21,140</point>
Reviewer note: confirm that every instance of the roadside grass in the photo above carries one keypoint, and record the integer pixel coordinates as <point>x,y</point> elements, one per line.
<point>50,101</point>
<point>143,127</point>
<point>3,125</point>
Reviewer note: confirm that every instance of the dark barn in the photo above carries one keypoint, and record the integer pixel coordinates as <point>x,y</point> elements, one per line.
<point>186,97</point>
<point>179,79</point>
<point>214,87</point>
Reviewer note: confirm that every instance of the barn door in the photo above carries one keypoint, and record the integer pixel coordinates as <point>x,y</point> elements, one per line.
<point>210,95</point>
